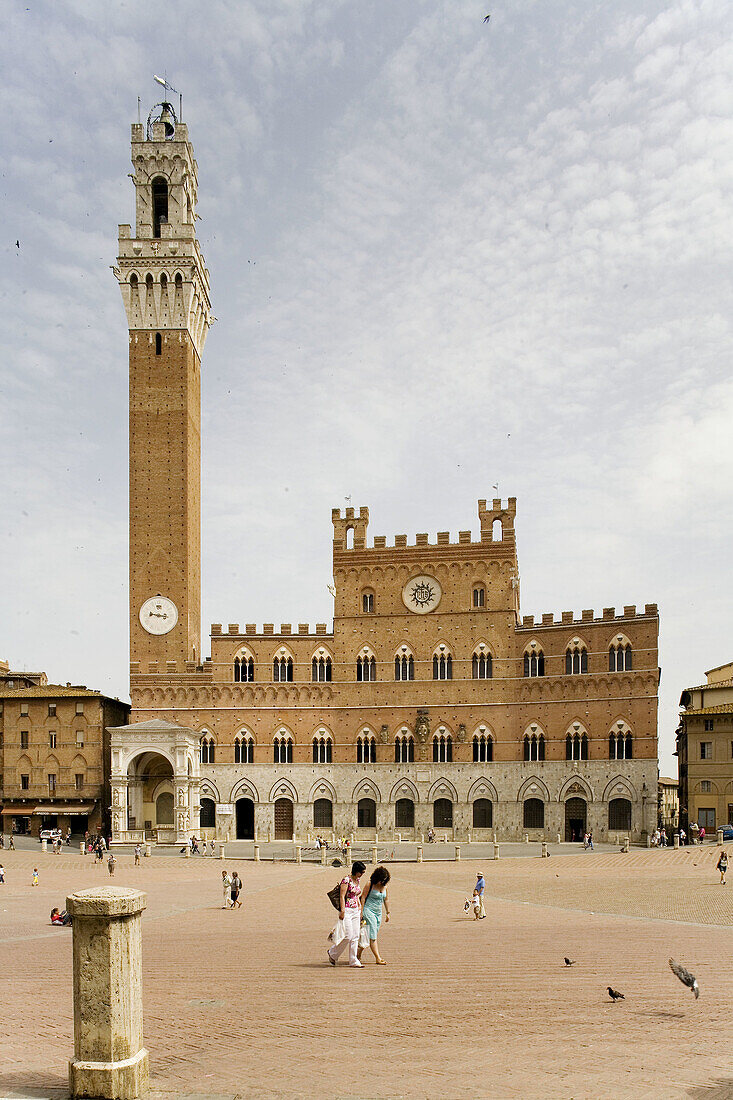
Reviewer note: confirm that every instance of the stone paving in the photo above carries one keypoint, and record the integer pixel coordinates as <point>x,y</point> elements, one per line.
<point>244,1004</point>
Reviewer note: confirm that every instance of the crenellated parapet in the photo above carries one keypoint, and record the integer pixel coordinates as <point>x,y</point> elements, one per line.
<point>496,530</point>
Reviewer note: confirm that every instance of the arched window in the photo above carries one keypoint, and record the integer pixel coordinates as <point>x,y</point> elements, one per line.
<point>442,748</point>
<point>321,670</point>
<point>576,746</point>
<point>404,666</point>
<point>160,204</point>
<point>443,813</point>
<point>404,813</point>
<point>283,748</point>
<point>158,344</point>
<point>206,749</point>
<point>497,531</point>
<point>133,281</point>
<point>534,663</point>
<point>323,813</point>
<point>483,814</point>
<point>366,669</point>
<point>534,813</point>
<point>404,749</point>
<point>619,815</point>
<point>483,748</point>
<point>576,659</point>
<point>619,657</point>
<point>534,746</point>
<point>482,665</point>
<point>479,596</point>
<point>366,813</point>
<point>367,602</point>
<point>620,744</point>
<point>366,748</point>
<point>244,669</point>
<point>244,749</point>
<point>442,665</point>
<point>282,670</point>
<point>322,749</point>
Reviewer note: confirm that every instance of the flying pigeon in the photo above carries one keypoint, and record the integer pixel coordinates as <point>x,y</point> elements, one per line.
<point>685,977</point>
<point>487,18</point>
<point>569,962</point>
<point>615,995</point>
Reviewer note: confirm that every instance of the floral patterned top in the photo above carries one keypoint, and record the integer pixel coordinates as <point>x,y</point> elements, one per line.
<point>353,892</point>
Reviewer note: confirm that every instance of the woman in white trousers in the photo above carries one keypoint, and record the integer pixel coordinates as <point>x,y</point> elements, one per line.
<point>350,915</point>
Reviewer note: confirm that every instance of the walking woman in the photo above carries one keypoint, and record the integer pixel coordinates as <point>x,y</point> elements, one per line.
<point>236,887</point>
<point>373,900</point>
<point>349,915</point>
<point>226,883</point>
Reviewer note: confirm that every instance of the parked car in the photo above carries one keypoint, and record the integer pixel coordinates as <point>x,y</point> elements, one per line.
<point>50,834</point>
<point>728,832</point>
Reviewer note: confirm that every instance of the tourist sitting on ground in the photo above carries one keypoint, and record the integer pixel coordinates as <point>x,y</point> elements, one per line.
<point>60,918</point>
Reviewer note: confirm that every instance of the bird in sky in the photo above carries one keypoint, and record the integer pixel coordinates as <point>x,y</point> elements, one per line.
<point>486,18</point>
<point>615,995</point>
<point>569,962</point>
<point>685,977</point>
<point>17,244</point>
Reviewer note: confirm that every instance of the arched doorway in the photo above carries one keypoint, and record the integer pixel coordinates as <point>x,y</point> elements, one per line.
<point>323,813</point>
<point>150,797</point>
<point>483,813</point>
<point>283,819</point>
<point>443,813</point>
<point>366,813</point>
<point>576,819</point>
<point>404,813</point>
<point>245,819</point>
<point>619,815</point>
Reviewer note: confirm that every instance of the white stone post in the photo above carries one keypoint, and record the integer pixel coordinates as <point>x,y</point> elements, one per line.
<point>626,844</point>
<point>298,853</point>
<point>110,1060</point>
<point>44,845</point>
<point>720,837</point>
<point>496,850</point>
<point>676,840</point>
<point>257,853</point>
<point>458,853</point>
<point>82,848</point>
<point>419,853</point>
<point>323,856</point>
<point>148,850</point>
<point>375,854</point>
<point>558,839</point>
<point>221,851</point>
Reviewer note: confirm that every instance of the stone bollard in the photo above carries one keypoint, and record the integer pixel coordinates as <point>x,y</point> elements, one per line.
<point>719,837</point>
<point>257,853</point>
<point>626,844</point>
<point>375,854</point>
<point>148,850</point>
<point>109,1060</point>
<point>526,838</point>
<point>221,851</point>
<point>82,848</point>
<point>496,850</point>
<point>495,841</point>
<point>676,840</point>
<point>269,835</point>
<point>376,838</point>
<point>559,841</point>
<point>44,845</point>
<point>298,854</point>
<point>422,838</point>
<point>544,849</point>
<point>458,853</point>
<point>419,853</point>
<point>469,836</point>
<point>648,842</point>
<point>399,838</point>
<point>324,856</point>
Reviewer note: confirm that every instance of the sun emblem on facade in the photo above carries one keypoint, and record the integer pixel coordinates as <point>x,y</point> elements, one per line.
<point>421,594</point>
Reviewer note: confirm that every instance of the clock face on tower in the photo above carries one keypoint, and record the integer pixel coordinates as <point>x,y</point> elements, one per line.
<point>158,615</point>
<point>421,594</point>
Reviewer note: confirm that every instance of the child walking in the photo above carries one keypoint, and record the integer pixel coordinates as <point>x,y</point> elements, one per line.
<point>34,881</point>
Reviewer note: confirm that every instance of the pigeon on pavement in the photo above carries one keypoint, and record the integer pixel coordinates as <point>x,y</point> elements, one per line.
<point>685,977</point>
<point>569,962</point>
<point>615,995</point>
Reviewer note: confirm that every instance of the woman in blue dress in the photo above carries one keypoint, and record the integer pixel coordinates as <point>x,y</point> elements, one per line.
<point>373,900</point>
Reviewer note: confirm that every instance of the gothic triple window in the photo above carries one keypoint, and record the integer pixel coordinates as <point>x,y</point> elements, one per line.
<point>366,748</point>
<point>576,659</point>
<point>576,746</point>
<point>483,748</point>
<point>244,749</point>
<point>534,663</point>
<point>404,667</point>
<point>482,665</point>
<point>620,746</point>
<point>534,746</point>
<point>244,670</point>
<point>282,748</point>
<point>442,665</point>
<point>404,749</point>
<point>321,670</point>
<point>282,670</point>
<point>322,749</point>
<point>366,669</point>
<point>442,748</point>
<point>206,750</point>
<point>619,657</point>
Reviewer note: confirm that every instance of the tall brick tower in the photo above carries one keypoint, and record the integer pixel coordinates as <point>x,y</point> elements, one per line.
<point>165,289</point>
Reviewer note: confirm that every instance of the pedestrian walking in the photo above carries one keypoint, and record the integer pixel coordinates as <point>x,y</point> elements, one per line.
<point>11,843</point>
<point>349,924</point>
<point>137,855</point>
<point>34,880</point>
<point>479,890</point>
<point>2,875</point>
<point>373,901</point>
<point>590,840</point>
<point>722,865</point>
<point>226,883</point>
<point>236,888</point>
<point>111,864</point>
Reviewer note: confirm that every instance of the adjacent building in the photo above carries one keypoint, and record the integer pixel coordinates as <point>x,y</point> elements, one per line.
<point>430,702</point>
<point>669,802</point>
<point>705,751</point>
<point>54,754</point>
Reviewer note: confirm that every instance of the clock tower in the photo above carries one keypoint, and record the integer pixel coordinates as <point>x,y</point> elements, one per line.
<point>165,290</point>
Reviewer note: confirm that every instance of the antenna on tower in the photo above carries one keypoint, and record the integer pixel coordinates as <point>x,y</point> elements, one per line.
<point>163,81</point>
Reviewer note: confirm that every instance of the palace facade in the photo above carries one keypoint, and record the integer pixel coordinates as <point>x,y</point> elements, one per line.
<point>430,703</point>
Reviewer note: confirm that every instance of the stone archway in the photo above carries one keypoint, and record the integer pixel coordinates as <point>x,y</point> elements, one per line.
<point>245,820</point>
<point>283,819</point>
<point>150,801</point>
<point>576,819</point>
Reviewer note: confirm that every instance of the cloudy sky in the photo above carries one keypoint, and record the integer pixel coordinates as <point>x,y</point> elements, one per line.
<point>443,255</point>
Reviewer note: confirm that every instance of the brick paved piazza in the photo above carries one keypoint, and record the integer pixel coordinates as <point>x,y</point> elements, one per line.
<point>244,1003</point>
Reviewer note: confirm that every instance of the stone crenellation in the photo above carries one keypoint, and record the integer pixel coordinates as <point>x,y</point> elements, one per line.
<point>568,618</point>
<point>499,515</point>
